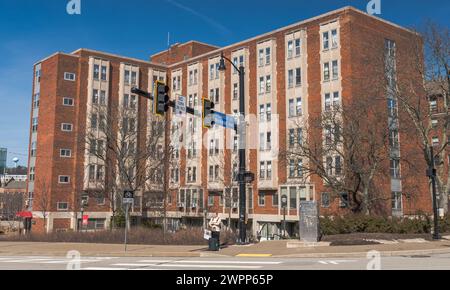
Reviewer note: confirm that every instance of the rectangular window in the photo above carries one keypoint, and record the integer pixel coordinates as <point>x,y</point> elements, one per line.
<point>293,198</point>
<point>393,138</point>
<point>262,113</point>
<point>261,141</point>
<point>65,153</point>
<point>343,200</point>
<point>269,141</point>
<point>395,168</point>
<point>66,127</point>
<point>261,199</point>
<point>104,73</point>
<point>36,98</point>
<point>268,55</point>
<point>291,108</point>
<point>69,76</point>
<point>95,97</point>
<point>325,199</point>
<point>327,102</point>
<point>268,84</point>
<point>261,57</point>
<point>127,77</point>
<point>337,165</point>
<point>217,95</point>
<point>291,168</point>
<point>297,47</point>
<point>62,206</point>
<point>68,102</point>
<point>34,124</point>
<point>298,77</point>
<point>299,110</point>
<point>291,138</point>
<point>326,72</point>
<point>336,100</point>
<point>96,71</point>
<point>334,38</point>
<point>269,112</point>
<point>210,200</point>
<point>397,201</point>
<point>290,78</point>
<point>262,170</point>
<point>290,49</point>
<point>64,179</point>
<point>269,170</point>
<point>335,70</point>
<point>211,72</point>
<point>261,85</point>
<point>326,40</point>
<point>133,78</point>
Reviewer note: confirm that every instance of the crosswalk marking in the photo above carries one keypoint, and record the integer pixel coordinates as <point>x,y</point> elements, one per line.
<point>104,269</point>
<point>335,262</point>
<point>187,266</point>
<point>212,262</point>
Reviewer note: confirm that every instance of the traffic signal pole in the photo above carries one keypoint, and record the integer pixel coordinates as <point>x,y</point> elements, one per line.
<point>242,161</point>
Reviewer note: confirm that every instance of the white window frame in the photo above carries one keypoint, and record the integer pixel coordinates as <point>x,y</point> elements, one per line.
<point>68,76</point>
<point>61,176</point>
<point>66,124</point>
<point>71,100</point>
<point>61,151</point>
<point>58,208</point>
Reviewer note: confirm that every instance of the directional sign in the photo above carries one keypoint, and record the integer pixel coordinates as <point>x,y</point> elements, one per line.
<point>128,196</point>
<point>224,121</point>
<point>180,106</point>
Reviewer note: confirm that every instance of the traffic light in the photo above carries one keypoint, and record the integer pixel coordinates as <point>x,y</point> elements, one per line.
<point>161,98</point>
<point>207,113</point>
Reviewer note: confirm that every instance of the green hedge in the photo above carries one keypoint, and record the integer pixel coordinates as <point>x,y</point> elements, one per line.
<point>374,224</point>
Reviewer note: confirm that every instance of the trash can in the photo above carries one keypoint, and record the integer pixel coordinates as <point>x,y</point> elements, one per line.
<point>213,244</point>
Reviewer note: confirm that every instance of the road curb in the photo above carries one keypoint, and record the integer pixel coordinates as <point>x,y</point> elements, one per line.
<point>364,254</point>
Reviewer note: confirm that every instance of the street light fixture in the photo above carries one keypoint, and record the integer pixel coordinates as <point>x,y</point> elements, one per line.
<point>240,130</point>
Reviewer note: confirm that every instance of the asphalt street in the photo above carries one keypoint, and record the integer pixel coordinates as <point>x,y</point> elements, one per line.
<point>428,262</point>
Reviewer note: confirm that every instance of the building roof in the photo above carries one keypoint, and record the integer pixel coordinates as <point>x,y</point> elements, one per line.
<point>13,184</point>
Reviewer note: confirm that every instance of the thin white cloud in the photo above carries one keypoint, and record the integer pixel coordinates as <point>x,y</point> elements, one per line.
<point>221,28</point>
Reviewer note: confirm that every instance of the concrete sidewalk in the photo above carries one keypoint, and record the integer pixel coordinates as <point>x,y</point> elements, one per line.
<point>266,249</point>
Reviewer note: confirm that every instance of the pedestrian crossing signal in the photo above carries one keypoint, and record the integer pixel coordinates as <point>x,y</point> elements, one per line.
<point>207,113</point>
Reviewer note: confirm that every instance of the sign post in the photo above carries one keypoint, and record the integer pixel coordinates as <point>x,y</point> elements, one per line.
<point>180,106</point>
<point>128,199</point>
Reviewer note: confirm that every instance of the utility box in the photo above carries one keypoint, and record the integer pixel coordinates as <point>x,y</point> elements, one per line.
<point>309,222</point>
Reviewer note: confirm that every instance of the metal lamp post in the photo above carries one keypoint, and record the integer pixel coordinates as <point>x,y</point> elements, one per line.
<point>240,130</point>
<point>431,173</point>
<point>284,205</point>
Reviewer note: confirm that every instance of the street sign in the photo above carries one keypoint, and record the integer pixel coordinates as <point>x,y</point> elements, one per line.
<point>128,196</point>
<point>224,121</point>
<point>85,220</point>
<point>180,106</point>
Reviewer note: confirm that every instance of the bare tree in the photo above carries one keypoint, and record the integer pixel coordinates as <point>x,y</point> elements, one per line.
<point>347,147</point>
<point>43,202</point>
<point>118,159</point>
<point>425,99</point>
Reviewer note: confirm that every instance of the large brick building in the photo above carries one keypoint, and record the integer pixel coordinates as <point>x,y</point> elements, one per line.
<point>293,73</point>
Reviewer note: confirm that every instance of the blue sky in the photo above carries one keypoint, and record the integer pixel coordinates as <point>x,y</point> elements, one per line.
<point>31,30</point>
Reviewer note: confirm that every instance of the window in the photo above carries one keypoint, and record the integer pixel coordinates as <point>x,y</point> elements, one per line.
<point>434,123</point>
<point>133,78</point>
<point>337,165</point>
<point>390,48</point>
<point>32,174</point>
<point>336,100</point>
<point>290,49</point>
<point>96,71</point>
<point>293,198</point>
<point>62,206</point>
<point>397,201</point>
<point>36,101</point>
<point>334,38</point>
<point>33,149</point>
<point>211,72</point>
<point>34,124</point>
<point>292,168</point>
<point>290,78</point>
<point>261,142</point>
<point>127,76</point>
<point>217,71</point>
<point>291,138</point>
<point>65,153</point>
<point>326,72</point>
<point>261,85</point>
<point>393,138</point>
<point>66,127</point>
<point>262,170</point>
<point>68,102</point>
<point>395,168</point>
<point>291,108</point>
<point>269,112</point>
<point>298,108</point>
<point>261,57</point>
<point>268,56</point>
<point>433,106</point>
<point>300,168</point>
<point>343,200</point>
<point>297,47</point>
<point>261,199</point>
<point>38,75</point>
<point>235,91</point>
<point>269,170</point>
<point>335,70</point>
<point>217,95</point>
<point>268,84</point>
<point>298,77</point>
<point>327,102</point>
<point>392,106</point>
<point>300,136</point>
<point>326,40</point>
<point>269,141</point>
<point>262,113</point>
<point>63,179</point>
<point>104,73</point>
<point>435,141</point>
<point>210,200</point>
<point>275,200</point>
<point>325,199</point>
<point>329,166</point>
<point>69,76</point>
<point>95,97</point>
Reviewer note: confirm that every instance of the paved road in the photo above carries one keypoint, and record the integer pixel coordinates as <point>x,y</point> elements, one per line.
<point>440,261</point>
